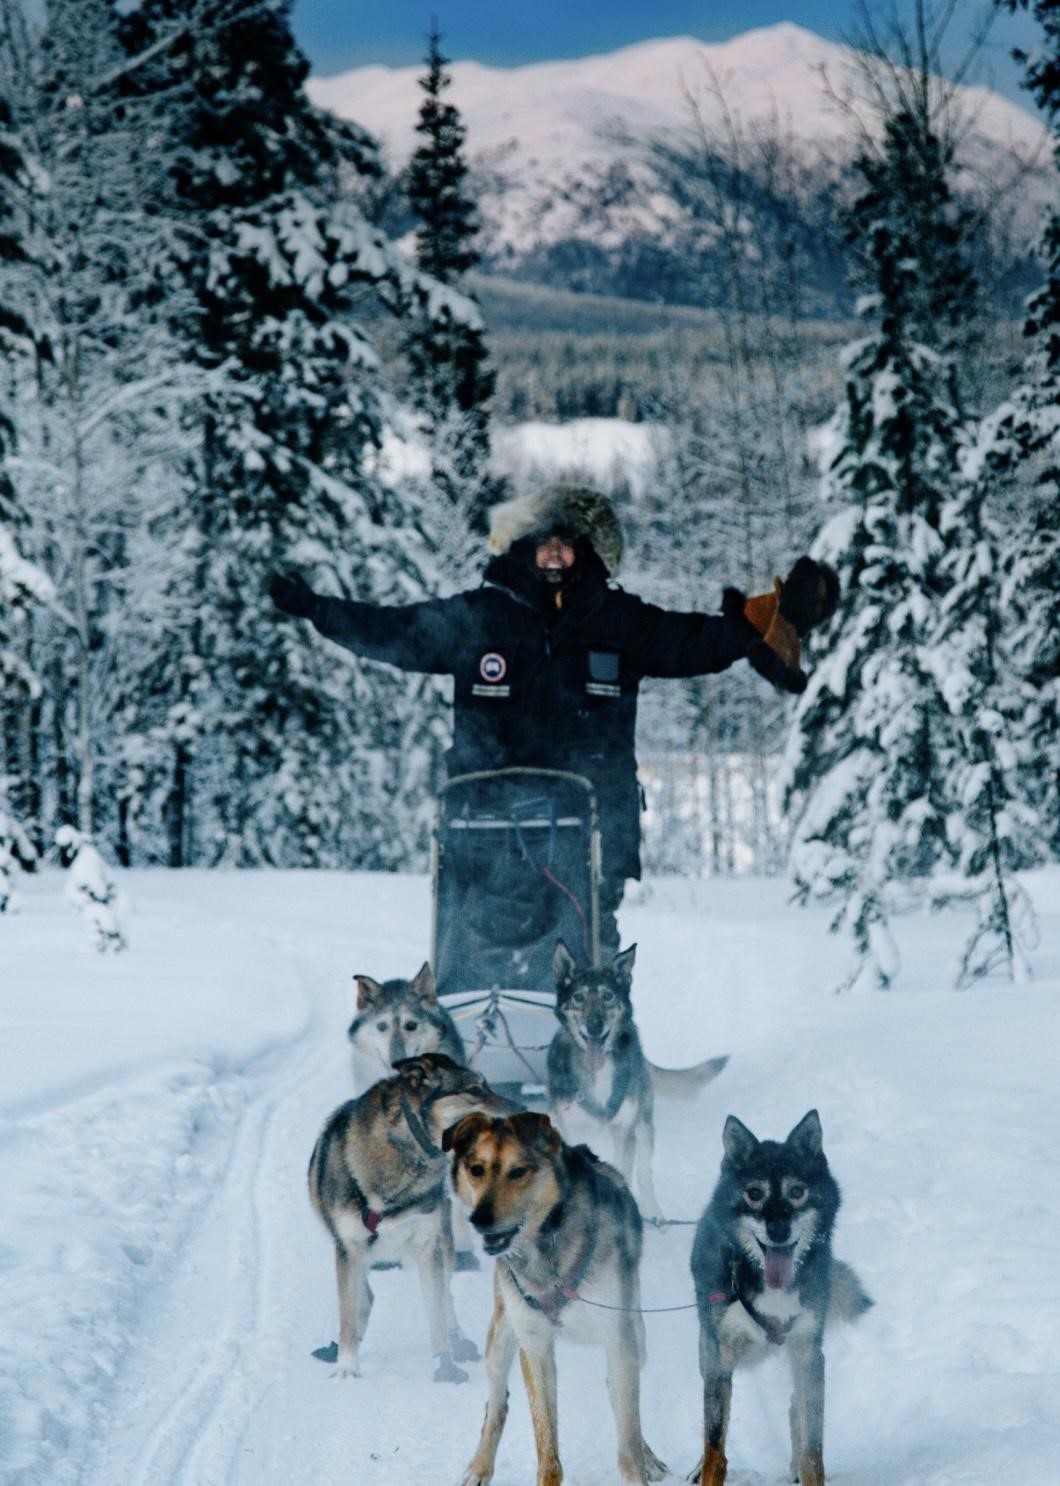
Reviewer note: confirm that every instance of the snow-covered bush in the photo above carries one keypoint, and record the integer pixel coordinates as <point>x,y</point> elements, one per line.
<point>91,889</point>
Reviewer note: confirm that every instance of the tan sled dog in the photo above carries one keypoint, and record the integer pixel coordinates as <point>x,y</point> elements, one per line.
<point>566,1234</point>
<point>377,1178</point>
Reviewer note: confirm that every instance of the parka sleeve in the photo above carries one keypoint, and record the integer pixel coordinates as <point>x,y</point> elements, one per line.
<point>668,643</point>
<point>414,637</point>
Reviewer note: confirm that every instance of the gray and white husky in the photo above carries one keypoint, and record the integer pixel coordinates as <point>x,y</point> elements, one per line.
<point>399,1019</point>
<point>598,1077</point>
<point>765,1277</point>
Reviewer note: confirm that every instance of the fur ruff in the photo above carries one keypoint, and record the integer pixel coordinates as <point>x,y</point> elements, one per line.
<point>570,508</point>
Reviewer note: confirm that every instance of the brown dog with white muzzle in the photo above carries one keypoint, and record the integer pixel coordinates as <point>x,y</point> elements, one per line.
<point>566,1235</point>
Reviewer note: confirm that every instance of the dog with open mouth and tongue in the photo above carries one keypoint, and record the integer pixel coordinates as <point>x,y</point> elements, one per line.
<point>765,1276</point>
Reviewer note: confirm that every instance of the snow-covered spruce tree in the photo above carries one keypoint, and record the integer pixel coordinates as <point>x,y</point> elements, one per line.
<point>991,826</point>
<point>866,765</point>
<point>286,754</point>
<point>91,890</point>
<point>91,408</point>
<point>21,584</point>
<point>450,379</point>
<point>1020,442</point>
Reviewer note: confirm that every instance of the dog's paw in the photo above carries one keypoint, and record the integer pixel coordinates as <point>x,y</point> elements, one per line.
<point>654,1468</point>
<point>696,1474</point>
<point>447,1371</point>
<point>348,1367</point>
<point>467,1261</point>
<point>464,1349</point>
<point>472,1477</point>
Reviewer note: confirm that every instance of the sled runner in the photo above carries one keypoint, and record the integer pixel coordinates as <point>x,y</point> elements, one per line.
<point>516,867</point>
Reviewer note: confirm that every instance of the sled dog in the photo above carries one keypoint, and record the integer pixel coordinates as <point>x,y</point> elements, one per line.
<point>598,1076</point>
<point>566,1234</point>
<point>399,1019</point>
<point>402,1019</point>
<point>764,1276</point>
<point>377,1178</point>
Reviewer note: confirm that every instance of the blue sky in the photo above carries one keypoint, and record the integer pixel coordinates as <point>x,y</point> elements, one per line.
<point>339,34</point>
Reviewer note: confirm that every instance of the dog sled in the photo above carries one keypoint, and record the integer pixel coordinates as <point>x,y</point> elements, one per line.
<point>516,866</point>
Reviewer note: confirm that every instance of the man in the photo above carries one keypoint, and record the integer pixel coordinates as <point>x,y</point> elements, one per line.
<point>547,658</point>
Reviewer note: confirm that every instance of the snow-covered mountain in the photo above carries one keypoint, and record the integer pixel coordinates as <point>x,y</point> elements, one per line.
<point>563,149</point>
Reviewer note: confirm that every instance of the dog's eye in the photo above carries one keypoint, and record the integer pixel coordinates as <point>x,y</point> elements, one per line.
<point>797,1193</point>
<point>755,1194</point>
<point>411,1026</point>
<point>476,1171</point>
<point>607,998</point>
<point>381,1026</point>
<point>577,998</point>
<point>517,1173</point>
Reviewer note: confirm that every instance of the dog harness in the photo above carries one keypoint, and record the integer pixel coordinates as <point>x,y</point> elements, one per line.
<point>776,1331</point>
<point>372,1217</point>
<point>555,1300</point>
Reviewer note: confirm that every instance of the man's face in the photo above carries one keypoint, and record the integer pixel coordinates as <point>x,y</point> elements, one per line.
<point>554,558</point>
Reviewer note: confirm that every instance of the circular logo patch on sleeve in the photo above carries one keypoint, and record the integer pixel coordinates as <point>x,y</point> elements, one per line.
<point>493,667</point>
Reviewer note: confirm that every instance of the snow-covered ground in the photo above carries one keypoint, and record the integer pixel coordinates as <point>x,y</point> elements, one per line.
<point>163,1280</point>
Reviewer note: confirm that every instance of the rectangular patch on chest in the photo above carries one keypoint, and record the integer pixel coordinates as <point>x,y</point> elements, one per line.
<point>603,666</point>
<point>603,689</point>
<point>490,691</point>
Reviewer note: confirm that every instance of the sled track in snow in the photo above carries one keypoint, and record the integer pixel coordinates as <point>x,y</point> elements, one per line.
<point>195,1439</point>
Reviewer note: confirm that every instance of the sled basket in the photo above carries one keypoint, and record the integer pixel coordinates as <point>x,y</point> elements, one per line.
<point>516,867</point>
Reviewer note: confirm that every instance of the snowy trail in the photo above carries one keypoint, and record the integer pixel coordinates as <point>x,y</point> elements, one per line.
<point>168,1280</point>
<point>221,1337</point>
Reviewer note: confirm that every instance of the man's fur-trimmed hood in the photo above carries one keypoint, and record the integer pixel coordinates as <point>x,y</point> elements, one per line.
<point>573,509</point>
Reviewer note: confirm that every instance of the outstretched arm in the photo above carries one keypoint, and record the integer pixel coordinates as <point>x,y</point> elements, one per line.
<point>765,628</point>
<point>413,637</point>
<point>669,643</point>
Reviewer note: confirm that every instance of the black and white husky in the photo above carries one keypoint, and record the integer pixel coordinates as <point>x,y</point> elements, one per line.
<point>765,1277</point>
<point>598,1077</point>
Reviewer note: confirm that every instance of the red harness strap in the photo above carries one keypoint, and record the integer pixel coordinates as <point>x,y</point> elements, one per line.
<point>555,1300</point>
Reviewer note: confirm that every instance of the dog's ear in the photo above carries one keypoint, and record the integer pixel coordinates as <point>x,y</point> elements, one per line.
<point>536,1131</point>
<point>422,985</point>
<point>460,1137</point>
<point>563,965</point>
<point>738,1142</point>
<point>806,1138</point>
<point>369,992</point>
<point>622,965</point>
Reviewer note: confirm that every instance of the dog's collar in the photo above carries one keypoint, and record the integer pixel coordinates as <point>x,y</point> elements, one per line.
<point>776,1330</point>
<point>564,1291</point>
<point>371,1217</point>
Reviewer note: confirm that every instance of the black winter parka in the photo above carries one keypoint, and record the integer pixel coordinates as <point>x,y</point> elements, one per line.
<point>545,686</point>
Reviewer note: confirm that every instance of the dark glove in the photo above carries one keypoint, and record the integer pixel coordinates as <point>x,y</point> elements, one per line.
<point>809,594</point>
<point>807,598</point>
<point>291,593</point>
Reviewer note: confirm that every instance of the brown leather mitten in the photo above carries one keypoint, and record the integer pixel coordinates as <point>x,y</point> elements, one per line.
<point>806,598</point>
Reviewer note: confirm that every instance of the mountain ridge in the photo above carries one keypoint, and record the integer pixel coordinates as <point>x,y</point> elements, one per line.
<point>567,160</point>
